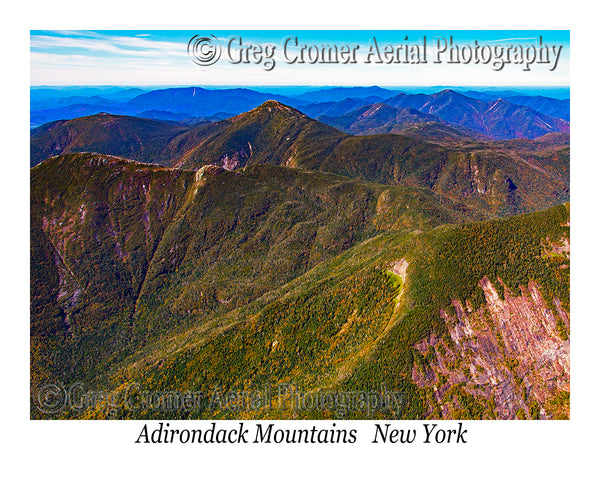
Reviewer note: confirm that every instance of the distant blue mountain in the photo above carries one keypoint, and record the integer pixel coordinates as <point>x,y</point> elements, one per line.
<point>549,106</point>
<point>340,107</point>
<point>481,111</point>
<point>182,102</point>
<point>553,107</point>
<point>197,101</point>
<point>499,118</point>
<point>38,94</point>
<point>68,112</point>
<point>334,94</point>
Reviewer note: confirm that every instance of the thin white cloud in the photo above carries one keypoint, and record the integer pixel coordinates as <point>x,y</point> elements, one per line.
<point>115,45</point>
<point>77,33</point>
<point>511,39</point>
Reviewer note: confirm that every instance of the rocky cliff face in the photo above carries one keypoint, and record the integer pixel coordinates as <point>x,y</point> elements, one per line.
<point>507,359</point>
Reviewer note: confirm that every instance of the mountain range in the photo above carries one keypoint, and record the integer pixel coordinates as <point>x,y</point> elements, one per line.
<point>499,118</point>
<point>513,117</point>
<point>485,175</point>
<point>396,244</point>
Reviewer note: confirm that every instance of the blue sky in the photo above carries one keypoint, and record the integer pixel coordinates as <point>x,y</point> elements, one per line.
<point>127,57</point>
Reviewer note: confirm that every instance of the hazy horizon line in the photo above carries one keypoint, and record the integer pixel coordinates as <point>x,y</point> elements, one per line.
<point>294,86</point>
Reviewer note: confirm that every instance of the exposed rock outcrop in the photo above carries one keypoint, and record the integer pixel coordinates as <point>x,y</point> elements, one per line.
<point>507,359</point>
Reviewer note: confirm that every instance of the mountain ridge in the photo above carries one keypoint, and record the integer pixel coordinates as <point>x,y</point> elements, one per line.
<point>481,173</point>
<point>483,117</point>
<point>173,279</point>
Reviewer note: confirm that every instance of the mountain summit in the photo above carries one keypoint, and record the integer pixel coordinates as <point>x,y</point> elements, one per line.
<point>271,133</point>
